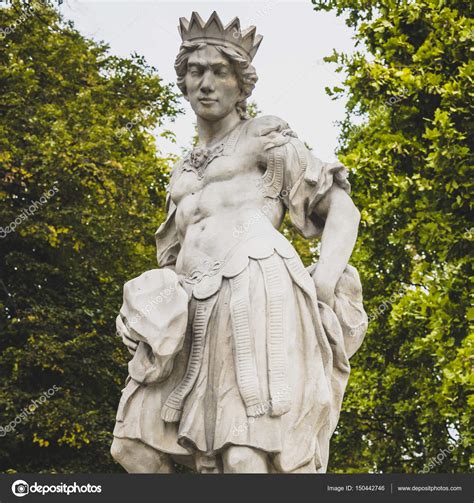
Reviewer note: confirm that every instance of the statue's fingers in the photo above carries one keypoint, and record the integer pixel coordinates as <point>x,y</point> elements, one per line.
<point>124,333</point>
<point>120,326</point>
<point>130,343</point>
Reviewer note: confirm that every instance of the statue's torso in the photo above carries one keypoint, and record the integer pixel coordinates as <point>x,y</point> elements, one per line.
<point>227,205</point>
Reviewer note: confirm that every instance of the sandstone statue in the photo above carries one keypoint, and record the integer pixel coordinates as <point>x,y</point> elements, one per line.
<point>241,354</point>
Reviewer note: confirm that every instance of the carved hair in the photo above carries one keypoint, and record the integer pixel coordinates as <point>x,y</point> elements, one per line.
<point>246,74</point>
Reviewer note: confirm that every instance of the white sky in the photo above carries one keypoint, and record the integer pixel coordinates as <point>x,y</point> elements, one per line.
<point>292,75</point>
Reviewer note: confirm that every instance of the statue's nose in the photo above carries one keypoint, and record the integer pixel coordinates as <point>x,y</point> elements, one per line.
<point>207,85</point>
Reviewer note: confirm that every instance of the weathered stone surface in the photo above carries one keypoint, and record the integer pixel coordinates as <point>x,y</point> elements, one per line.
<point>242,364</point>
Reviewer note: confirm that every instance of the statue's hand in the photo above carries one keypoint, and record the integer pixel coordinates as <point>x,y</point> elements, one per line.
<point>122,331</point>
<point>325,293</point>
<point>325,285</point>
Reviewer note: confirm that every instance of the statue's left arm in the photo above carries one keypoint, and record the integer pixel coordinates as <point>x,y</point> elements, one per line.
<point>317,197</point>
<point>341,221</point>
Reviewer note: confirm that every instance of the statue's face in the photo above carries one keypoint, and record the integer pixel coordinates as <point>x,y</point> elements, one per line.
<point>211,83</point>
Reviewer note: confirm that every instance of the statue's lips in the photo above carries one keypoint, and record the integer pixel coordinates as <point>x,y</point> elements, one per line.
<point>207,101</point>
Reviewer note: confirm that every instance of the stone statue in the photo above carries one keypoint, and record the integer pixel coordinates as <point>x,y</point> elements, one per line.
<point>241,354</point>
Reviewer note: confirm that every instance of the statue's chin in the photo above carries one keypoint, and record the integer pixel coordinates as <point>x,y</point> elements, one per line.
<point>209,113</point>
<point>209,116</point>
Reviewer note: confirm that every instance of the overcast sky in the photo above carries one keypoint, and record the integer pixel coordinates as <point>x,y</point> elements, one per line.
<point>292,75</point>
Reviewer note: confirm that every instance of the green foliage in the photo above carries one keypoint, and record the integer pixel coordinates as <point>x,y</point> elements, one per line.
<point>75,121</point>
<point>78,119</point>
<point>406,139</point>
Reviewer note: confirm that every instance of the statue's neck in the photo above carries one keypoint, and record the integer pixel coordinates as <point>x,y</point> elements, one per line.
<point>210,132</point>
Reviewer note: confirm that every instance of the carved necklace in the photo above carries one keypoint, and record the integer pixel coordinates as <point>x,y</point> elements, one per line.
<point>200,157</point>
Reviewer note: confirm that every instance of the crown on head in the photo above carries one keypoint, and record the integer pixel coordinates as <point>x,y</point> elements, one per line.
<point>213,32</point>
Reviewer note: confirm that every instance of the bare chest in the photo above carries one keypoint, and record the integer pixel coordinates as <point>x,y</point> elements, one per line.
<point>220,171</point>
